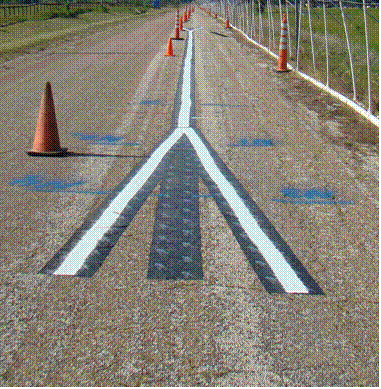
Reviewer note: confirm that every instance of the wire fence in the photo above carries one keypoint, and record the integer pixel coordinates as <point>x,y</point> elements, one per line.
<point>333,41</point>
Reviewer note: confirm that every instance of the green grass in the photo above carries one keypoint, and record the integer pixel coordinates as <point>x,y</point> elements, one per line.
<point>40,29</point>
<point>339,65</point>
<point>71,11</point>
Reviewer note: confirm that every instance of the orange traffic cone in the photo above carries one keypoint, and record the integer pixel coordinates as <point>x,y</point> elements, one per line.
<point>176,33</point>
<point>185,17</point>
<point>227,23</point>
<point>169,52</point>
<point>181,24</point>
<point>46,139</point>
<point>282,60</point>
<point>177,29</point>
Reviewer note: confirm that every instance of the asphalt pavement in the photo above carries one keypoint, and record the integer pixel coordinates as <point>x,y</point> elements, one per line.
<point>267,168</point>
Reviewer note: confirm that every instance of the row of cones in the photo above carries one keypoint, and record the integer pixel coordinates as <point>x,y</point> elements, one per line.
<point>46,139</point>
<point>282,58</point>
<point>178,27</point>
<point>208,12</point>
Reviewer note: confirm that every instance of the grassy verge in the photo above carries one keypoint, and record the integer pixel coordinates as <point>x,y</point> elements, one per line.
<point>339,65</point>
<point>54,24</point>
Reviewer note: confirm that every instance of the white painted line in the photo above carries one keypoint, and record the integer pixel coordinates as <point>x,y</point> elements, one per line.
<point>77,256</point>
<point>186,101</point>
<point>282,270</point>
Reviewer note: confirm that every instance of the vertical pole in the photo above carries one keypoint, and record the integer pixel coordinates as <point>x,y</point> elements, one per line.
<point>288,31</point>
<point>298,36</point>
<point>252,32</point>
<point>367,58</point>
<point>297,5</point>
<point>270,10</point>
<point>269,23</point>
<point>311,34</point>
<point>349,50</point>
<point>326,41</point>
<point>247,17</point>
<point>260,27</point>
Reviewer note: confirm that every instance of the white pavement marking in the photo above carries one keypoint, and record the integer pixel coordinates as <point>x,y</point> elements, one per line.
<point>186,101</point>
<point>77,256</point>
<point>282,270</point>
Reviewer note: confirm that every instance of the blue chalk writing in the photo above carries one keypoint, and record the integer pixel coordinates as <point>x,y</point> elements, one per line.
<point>254,143</point>
<point>38,183</point>
<point>104,140</point>
<point>309,196</point>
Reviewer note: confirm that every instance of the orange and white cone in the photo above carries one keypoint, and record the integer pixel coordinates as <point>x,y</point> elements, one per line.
<point>227,22</point>
<point>169,52</point>
<point>181,24</point>
<point>177,28</point>
<point>282,60</point>
<point>46,140</point>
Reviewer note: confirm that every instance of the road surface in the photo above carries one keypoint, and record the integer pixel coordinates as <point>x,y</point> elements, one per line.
<point>286,146</point>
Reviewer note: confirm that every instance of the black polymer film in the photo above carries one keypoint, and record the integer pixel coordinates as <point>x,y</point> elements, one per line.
<point>176,242</point>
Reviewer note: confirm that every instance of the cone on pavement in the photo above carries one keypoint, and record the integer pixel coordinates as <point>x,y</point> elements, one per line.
<point>227,23</point>
<point>169,52</point>
<point>177,28</point>
<point>176,33</point>
<point>46,140</point>
<point>282,59</point>
<point>181,24</point>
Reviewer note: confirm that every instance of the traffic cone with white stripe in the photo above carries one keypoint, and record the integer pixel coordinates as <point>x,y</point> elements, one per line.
<point>227,22</point>
<point>177,28</point>
<point>282,60</point>
<point>181,24</point>
<point>46,140</point>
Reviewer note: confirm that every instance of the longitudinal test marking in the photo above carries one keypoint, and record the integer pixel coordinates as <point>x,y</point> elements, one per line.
<point>84,255</point>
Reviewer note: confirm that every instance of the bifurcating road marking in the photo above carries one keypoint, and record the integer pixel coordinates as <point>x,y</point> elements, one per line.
<point>186,151</point>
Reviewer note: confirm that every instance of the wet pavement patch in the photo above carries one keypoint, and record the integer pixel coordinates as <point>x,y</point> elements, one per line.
<point>309,196</point>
